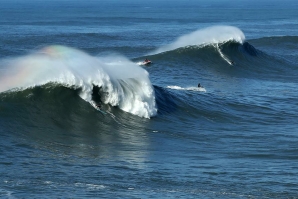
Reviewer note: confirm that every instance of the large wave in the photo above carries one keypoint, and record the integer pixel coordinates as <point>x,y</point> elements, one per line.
<point>206,36</point>
<point>121,82</point>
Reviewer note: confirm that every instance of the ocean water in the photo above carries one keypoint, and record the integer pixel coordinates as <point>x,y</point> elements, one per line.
<point>155,134</point>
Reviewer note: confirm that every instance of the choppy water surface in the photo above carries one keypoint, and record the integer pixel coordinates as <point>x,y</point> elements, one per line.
<point>157,135</point>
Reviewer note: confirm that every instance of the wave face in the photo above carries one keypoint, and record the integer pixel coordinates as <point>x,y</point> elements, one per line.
<point>121,82</point>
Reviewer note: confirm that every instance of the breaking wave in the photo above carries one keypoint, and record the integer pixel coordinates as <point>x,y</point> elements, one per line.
<point>121,83</point>
<point>206,36</point>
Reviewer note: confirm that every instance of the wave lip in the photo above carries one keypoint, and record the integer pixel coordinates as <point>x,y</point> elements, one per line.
<point>122,83</point>
<point>206,36</point>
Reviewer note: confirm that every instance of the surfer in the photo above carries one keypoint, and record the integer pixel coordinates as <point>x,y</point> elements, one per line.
<point>98,105</point>
<point>146,60</point>
<point>199,85</point>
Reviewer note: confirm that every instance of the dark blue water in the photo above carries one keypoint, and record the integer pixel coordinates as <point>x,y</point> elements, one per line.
<point>157,135</point>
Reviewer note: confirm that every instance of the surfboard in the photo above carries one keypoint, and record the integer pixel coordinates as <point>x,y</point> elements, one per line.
<point>97,108</point>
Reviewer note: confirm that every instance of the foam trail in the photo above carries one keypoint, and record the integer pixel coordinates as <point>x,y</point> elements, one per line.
<point>210,35</point>
<point>222,55</point>
<point>201,89</point>
<point>122,83</point>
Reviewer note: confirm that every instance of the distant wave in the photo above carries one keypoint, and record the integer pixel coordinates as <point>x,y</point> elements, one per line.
<point>248,59</point>
<point>228,51</point>
<point>288,44</point>
<point>206,36</point>
<point>121,82</point>
<point>277,40</point>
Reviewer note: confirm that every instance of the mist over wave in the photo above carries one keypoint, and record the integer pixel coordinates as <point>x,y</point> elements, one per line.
<point>210,35</point>
<point>121,82</point>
